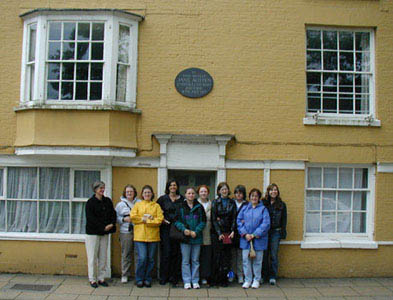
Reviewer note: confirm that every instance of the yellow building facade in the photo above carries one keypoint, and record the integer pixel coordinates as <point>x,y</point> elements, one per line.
<point>301,98</point>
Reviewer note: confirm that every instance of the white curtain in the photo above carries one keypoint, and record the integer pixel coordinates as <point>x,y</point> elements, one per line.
<point>78,217</point>
<point>2,215</point>
<point>83,183</point>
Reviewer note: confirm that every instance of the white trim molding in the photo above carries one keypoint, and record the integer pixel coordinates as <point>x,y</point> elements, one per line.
<point>383,167</point>
<point>318,119</point>
<point>342,243</point>
<point>76,151</point>
<point>137,162</point>
<point>46,237</point>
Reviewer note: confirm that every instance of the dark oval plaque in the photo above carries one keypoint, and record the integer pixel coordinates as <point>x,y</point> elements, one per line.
<point>194,83</point>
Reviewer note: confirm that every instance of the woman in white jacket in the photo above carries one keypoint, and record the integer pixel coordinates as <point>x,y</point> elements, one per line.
<point>123,209</point>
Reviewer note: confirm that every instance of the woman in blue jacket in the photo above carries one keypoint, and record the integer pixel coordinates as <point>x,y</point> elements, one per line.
<point>253,223</point>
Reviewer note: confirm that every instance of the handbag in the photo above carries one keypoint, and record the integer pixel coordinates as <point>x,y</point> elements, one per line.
<point>176,234</point>
<point>252,253</point>
<point>226,240</point>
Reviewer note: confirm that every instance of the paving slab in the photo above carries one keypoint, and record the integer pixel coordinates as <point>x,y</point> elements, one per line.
<point>26,295</point>
<point>74,289</point>
<point>317,282</point>
<point>385,281</point>
<point>339,281</point>
<point>365,282</point>
<point>122,298</point>
<point>6,277</point>
<point>227,292</point>
<point>24,278</point>
<point>9,294</point>
<point>62,297</point>
<point>153,292</point>
<point>373,291</point>
<point>76,280</point>
<point>91,297</point>
<point>180,292</point>
<point>3,283</point>
<point>161,298</point>
<point>358,297</point>
<point>112,291</point>
<point>265,292</point>
<point>382,298</point>
<point>285,282</point>
<point>337,291</point>
<point>301,292</point>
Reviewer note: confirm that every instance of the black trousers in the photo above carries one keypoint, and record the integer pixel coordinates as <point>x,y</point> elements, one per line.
<point>170,257</point>
<point>221,261</point>
<point>205,262</point>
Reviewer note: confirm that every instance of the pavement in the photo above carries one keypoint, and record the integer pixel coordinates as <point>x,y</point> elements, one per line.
<point>19,286</point>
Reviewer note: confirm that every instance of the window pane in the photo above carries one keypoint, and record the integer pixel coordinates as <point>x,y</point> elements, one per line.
<point>363,61</point>
<point>313,200</point>
<point>346,61</point>
<point>360,201</point>
<point>98,32</point>
<point>83,31</point>
<point>314,178</point>
<point>328,222</point>
<point>314,39</point>
<point>67,90</point>
<point>54,31</point>
<point>346,40</point>
<point>359,222</point>
<point>344,200</point>
<point>345,178</point>
<point>97,51</point>
<point>314,82</point>
<point>1,182</point>
<point>330,178</point>
<point>96,72</point>
<point>78,220</point>
<point>68,71</point>
<point>95,91</point>
<point>54,183</point>
<point>328,200</point>
<point>362,83</point>
<point>54,51</point>
<point>330,39</point>
<point>121,84</point>
<point>69,31</point>
<point>22,216</point>
<point>312,222</point>
<point>2,215</point>
<point>313,60</point>
<point>124,43</point>
<point>68,51</point>
<point>346,104</point>
<point>329,82</point>
<point>53,71</point>
<point>83,51</point>
<point>361,104</point>
<point>22,183</point>
<point>361,178</point>
<point>81,91</point>
<point>344,222</point>
<point>83,181</point>
<point>346,83</point>
<point>362,41</point>
<point>313,102</point>
<point>82,71</point>
<point>32,41</point>
<point>329,60</point>
<point>54,217</point>
<point>329,103</point>
<point>53,91</point>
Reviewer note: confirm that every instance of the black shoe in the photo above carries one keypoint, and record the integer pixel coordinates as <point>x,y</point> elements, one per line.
<point>94,285</point>
<point>103,283</point>
<point>163,282</point>
<point>148,284</point>
<point>224,284</point>
<point>139,284</point>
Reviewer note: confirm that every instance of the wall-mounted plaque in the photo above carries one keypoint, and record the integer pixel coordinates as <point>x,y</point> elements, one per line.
<point>194,83</point>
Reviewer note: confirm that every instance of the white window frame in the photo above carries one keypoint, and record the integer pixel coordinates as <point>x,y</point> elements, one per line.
<point>111,19</point>
<point>106,176</point>
<point>370,119</point>
<point>343,240</point>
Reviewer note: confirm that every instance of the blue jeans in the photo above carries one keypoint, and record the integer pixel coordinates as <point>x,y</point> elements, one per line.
<point>270,257</point>
<point>188,251</point>
<point>252,265</point>
<point>146,253</point>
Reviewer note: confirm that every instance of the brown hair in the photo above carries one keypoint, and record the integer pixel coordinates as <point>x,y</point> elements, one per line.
<point>130,186</point>
<point>148,187</point>
<point>255,190</point>
<point>278,202</point>
<point>220,185</point>
<point>203,186</point>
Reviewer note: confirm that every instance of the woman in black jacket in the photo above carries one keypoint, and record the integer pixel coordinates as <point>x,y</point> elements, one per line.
<point>170,255</point>
<point>100,222</point>
<point>223,217</point>
<point>278,230</point>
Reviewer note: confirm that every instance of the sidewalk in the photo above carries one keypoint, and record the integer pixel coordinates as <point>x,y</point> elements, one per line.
<point>21,286</point>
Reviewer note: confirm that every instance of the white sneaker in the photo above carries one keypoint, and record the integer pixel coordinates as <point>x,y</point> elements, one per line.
<point>272,281</point>
<point>204,281</point>
<point>124,279</point>
<point>246,285</point>
<point>240,279</point>
<point>196,286</point>
<point>255,284</point>
<point>187,286</point>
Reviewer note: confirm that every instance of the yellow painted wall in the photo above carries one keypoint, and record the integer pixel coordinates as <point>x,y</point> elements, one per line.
<point>249,178</point>
<point>383,208</point>
<point>138,177</point>
<point>43,257</point>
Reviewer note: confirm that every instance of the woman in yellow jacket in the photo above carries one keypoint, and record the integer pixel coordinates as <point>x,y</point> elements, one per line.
<point>147,217</point>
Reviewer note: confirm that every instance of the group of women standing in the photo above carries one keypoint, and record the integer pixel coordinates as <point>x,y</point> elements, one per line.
<point>201,241</point>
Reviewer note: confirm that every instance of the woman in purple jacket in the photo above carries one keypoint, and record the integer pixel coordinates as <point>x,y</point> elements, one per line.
<point>253,223</point>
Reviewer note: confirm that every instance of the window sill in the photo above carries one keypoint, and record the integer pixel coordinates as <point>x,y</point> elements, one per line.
<point>341,121</point>
<point>78,106</point>
<point>338,243</point>
<point>46,237</point>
